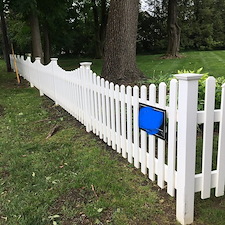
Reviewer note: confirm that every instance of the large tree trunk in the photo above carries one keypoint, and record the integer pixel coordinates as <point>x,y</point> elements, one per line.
<point>5,41</point>
<point>119,63</point>
<point>173,30</point>
<point>36,37</point>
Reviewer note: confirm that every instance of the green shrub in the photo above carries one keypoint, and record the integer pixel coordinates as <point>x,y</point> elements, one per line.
<point>201,89</point>
<point>219,82</point>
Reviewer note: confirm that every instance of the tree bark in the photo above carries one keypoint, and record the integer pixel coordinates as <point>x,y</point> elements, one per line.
<point>119,63</point>
<point>36,37</point>
<point>173,30</point>
<point>5,40</point>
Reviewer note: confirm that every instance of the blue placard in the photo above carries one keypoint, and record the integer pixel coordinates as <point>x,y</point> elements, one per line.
<point>152,120</point>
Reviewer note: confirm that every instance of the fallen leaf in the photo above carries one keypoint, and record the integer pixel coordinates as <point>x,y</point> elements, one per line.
<point>4,218</point>
<point>100,210</point>
<point>47,178</point>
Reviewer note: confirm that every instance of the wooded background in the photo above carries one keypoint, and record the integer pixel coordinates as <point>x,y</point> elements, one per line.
<point>79,27</point>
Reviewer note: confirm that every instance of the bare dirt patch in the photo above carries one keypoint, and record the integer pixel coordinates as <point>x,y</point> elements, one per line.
<point>4,174</point>
<point>75,200</point>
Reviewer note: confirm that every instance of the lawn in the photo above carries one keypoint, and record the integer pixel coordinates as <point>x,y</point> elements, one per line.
<point>154,66</point>
<point>69,176</point>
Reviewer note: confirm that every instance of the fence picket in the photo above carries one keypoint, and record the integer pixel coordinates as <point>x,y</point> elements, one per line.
<point>118,132</point>
<point>73,100</point>
<point>161,143</point>
<point>98,90</point>
<point>91,101</point>
<point>123,121</point>
<point>108,122</point>
<point>136,128</point>
<point>79,98</point>
<point>129,125</point>
<point>208,137</point>
<point>95,99</point>
<point>143,134</point>
<point>172,137</point>
<point>77,106</point>
<point>112,115</point>
<point>151,139</point>
<point>221,149</point>
<point>103,109</point>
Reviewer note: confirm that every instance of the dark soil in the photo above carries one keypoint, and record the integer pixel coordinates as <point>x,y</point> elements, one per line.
<point>74,198</point>
<point>2,110</point>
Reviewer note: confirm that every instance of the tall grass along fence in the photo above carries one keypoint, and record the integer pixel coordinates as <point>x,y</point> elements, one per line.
<point>111,112</point>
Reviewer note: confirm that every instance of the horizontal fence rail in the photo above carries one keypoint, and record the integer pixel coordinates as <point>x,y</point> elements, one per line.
<point>111,112</point>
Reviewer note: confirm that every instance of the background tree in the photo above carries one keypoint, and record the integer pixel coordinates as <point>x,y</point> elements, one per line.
<point>52,14</point>
<point>19,33</point>
<point>28,9</point>
<point>152,33</point>
<point>37,50</point>
<point>100,11</point>
<point>119,64</point>
<point>207,19</point>
<point>78,27</point>
<point>5,40</point>
<point>174,30</point>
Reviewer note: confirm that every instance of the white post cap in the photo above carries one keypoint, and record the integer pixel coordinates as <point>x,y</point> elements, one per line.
<point>188,76</point>
<point>54,59</point>
<point>86,64</point>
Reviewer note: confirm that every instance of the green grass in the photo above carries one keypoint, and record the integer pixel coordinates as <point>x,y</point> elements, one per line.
<point>211,61</point>
<point>74,63</point>
<point>153,66</point>
<point>72,177</point>
<point>69,178</point>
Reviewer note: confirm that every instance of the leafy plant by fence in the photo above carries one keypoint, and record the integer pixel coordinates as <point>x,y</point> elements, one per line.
<point>111,112</point>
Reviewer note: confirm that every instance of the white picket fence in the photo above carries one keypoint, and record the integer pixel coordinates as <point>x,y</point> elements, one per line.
<point>111,112</point>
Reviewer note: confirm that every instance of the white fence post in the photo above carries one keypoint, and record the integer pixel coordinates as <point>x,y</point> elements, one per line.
<point>37,74</point>
<point>54,64</point>
<point>87,105</point>
<point>29,72</point>
<point>186,146</point>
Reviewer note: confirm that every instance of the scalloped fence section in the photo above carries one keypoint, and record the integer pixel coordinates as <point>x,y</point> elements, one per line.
<point>111,112</point>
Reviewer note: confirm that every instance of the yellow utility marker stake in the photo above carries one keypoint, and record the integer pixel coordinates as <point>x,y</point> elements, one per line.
<point>15,65</point>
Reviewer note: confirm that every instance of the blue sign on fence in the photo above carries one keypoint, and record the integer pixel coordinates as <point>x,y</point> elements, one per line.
<point>152,120</point>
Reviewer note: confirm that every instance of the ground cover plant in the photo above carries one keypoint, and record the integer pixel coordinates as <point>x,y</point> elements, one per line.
<point>53,172</point>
